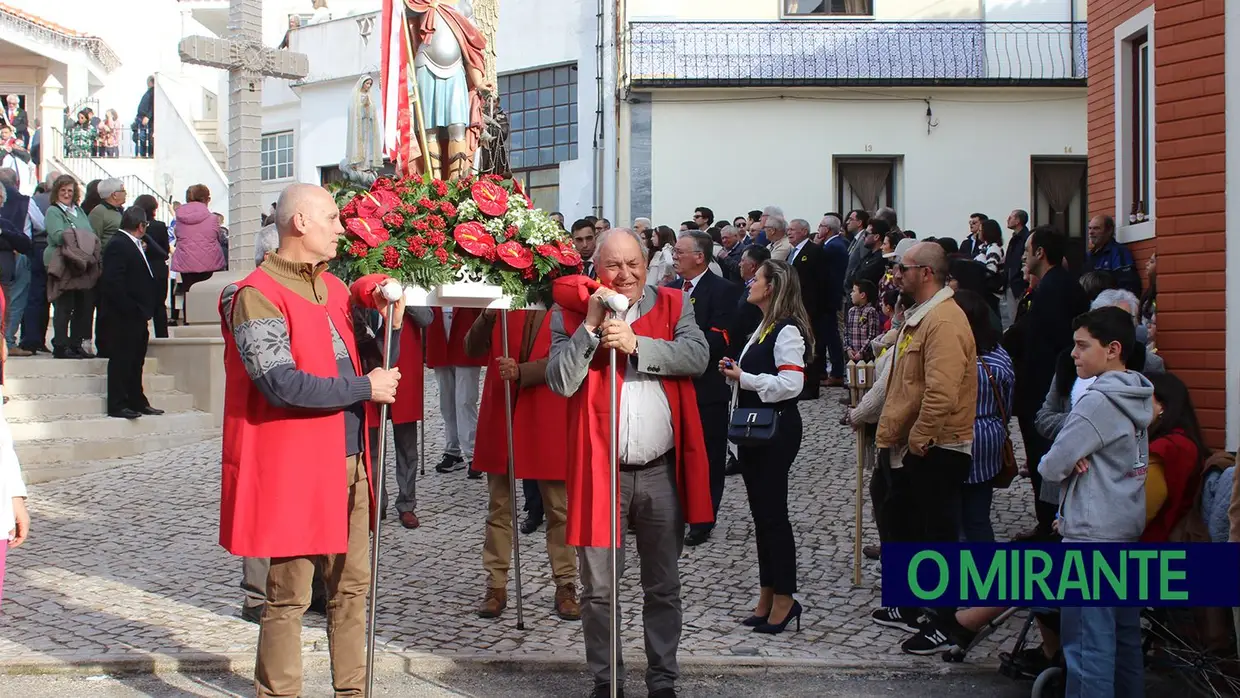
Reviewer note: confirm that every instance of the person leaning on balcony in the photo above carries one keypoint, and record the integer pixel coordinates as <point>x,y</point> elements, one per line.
<point>198,254</point>
<point>74,261</point>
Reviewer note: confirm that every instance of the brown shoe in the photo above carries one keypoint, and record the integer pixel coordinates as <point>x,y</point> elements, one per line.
<point>872,552</point>
<point>833,383</point>
<point>408,519</point>
<point>493,604</point>
<point>566,605</point>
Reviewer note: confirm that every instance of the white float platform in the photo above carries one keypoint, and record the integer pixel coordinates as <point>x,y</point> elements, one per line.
<point>464,295</point>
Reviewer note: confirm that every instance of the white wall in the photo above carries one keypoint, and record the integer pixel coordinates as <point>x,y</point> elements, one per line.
<point>181,159</point>
<point>976,159</point>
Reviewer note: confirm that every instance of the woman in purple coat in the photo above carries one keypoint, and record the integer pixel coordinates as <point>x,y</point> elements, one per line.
<point>198,253</point>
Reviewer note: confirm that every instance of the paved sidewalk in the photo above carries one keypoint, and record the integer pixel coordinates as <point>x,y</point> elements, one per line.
<point>124,565</point>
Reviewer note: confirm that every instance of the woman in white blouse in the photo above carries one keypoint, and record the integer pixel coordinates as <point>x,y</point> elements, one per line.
<point>662,239</point>
<point>771,373</point>
<point>14,520</point>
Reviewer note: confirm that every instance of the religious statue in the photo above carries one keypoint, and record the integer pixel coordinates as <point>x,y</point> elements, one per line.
<point>364,150</point>
<point>448,85</point>
<point>494,140</point>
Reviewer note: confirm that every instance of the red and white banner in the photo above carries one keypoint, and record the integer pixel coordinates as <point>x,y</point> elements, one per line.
<point>394,76</point>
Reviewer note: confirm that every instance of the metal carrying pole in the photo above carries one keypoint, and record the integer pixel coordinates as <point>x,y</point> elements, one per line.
<point>613,616</point>
<point>377,521</point>
<point>422,421</point>
<point>512,473</point>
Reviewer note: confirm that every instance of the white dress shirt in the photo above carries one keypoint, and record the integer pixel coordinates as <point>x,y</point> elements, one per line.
<point>645,414</point>
<point>692,282</point>
<point>796,251</point>
<point>138,243</point>
<point>788,383</point>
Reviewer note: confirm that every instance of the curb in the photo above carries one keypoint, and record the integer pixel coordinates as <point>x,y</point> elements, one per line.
<point>416,663</point>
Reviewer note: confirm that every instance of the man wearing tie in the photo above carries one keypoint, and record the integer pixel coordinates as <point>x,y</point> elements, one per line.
<point>583,239</point>
<point>126,304</point>
<point>811,266</point>
<point>714,301</point>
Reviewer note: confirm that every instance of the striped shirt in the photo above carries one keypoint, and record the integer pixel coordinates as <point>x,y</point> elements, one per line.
<point>988,426</point>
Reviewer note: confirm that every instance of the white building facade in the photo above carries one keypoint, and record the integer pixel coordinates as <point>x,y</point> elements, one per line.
<point>937,109</point>
<point>548,81</point>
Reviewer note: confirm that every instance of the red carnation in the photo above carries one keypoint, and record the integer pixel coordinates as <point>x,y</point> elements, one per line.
<point>368,230</point>
<point>437,222</point>
<point>421,225</point>
<point>448,209</point>
<point>527,273</point>
<point>393,220</point>
<point>491,198</point>
<point>358,249</point>
<point>391,257</point>
<point>442,255</point>
<point>437,238</point>
<point>350,209</point>
<point>473,238</point>
<point>408,209</point>
<point>383,183</point>
<point>440,187</point>
<point>417,247</point>
<point>426,204</point>
<point>515,255</point>
<point>417,178</point>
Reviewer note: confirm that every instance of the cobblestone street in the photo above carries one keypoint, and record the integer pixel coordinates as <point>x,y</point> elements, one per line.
<point>124,564</point>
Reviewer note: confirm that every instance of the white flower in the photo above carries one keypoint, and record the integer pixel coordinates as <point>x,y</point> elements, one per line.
<point>467,210</point>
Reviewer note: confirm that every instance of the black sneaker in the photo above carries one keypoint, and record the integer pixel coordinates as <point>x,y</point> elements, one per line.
<point>902,618</point>
<point>450,464</point>
<point>929,640</point>
<point>733,467</point>
<point>473,474</point>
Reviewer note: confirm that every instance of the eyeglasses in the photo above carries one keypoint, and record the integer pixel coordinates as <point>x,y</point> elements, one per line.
<point>905,267</point>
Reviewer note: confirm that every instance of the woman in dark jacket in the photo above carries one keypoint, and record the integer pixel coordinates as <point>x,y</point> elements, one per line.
<point>156,239</point>
<point>770,373</point>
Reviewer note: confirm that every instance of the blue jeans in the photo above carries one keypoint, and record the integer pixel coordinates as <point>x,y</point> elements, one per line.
<point>1102,650</point>
<point>975,524</point>
<point>15,299</point>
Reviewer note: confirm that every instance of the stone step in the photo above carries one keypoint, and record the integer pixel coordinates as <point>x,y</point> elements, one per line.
<point>101,427</point>
<point>205,329</point>
<point>27,408</point>
<point>76,384</point>
<point>40,366</point>
<point>53,459</point>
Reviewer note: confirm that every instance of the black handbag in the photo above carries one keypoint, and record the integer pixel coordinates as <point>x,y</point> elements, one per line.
<point>753,426</point>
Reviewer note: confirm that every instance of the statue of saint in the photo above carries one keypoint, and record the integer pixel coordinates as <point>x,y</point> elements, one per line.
<point>449,71</point>
<point>364,150</point>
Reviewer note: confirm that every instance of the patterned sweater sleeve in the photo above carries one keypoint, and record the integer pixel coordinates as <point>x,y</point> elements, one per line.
<point>262,338</point>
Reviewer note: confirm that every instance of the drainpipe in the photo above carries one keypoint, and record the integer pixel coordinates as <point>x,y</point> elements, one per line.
<point>1072,36</point>
<point>599,129</point>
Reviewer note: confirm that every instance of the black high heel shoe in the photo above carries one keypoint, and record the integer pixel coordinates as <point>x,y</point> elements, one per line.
<point>771,629</point>
<point>755,621</point>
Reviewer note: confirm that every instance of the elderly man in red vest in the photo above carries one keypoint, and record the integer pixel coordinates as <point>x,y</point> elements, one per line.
<point>664,479</point>
<point>538,416</point>
<point>296,477</point>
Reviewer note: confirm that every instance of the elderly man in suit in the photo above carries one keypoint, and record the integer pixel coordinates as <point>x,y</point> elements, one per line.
<point>126,305</point>
<point>664,479</point>
<point>810,262</point>
<point>714,302</point>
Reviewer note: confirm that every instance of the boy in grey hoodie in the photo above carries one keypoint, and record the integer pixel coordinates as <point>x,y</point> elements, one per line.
<point>1099,458</point>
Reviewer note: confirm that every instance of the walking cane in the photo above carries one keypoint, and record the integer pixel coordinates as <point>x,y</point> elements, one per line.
<point>618,304</point>
<point>392,292</point>
<point>512,473</point>
<point>422,421</point>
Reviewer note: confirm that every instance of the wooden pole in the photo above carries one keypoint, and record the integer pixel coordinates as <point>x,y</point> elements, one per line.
<point>860,377</point>
<point>412,76</point>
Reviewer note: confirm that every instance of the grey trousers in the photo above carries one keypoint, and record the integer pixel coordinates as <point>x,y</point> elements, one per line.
<point>458,404</point>
<point>649,502</point>
<point>404,443</point>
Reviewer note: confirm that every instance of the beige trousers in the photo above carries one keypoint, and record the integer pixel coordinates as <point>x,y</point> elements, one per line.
<point>497,548</point>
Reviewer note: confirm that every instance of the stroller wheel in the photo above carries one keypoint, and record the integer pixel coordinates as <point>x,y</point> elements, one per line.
<point>1049,684</point>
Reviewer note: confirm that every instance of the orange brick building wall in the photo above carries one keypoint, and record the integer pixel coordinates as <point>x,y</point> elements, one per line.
<point>1189,192</point>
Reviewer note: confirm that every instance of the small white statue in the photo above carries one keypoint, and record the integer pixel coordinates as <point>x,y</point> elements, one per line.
<point>365,146</point>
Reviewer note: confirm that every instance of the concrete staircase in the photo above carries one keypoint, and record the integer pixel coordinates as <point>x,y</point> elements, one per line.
<point>209,131</point>
<point>57,413</point>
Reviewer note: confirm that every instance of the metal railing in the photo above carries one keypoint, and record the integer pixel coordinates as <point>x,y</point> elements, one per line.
<point>843,53</point>
<point>87,168</point>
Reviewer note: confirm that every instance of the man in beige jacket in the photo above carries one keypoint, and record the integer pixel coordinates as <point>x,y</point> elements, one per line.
<point>925,433</point>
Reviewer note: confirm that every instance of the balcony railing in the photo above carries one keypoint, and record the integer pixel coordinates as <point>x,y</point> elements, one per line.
<point>840,53</point>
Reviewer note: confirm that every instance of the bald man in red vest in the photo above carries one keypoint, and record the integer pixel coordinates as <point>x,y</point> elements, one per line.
<point>296,476</point>
<point>664,479</point>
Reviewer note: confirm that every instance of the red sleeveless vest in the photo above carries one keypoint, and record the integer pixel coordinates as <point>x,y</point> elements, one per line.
<point>540,445</point>
<point>284,481</point>
<point>449,350</point>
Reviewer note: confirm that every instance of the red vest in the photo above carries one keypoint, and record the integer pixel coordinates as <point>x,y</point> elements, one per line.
<point>408,406</point>
<point>538,413</point>
<point>444,350</point>
<point>588,430</point>
<point>284,486</point>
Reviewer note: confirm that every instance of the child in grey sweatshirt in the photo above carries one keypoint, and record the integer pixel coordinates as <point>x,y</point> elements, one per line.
<point>1100,458</point>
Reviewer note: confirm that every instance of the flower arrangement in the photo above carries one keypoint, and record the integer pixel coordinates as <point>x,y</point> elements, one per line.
<point>432,232</point>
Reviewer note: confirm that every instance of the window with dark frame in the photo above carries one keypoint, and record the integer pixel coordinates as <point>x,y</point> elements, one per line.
<point>827,8</point>
<point>1139,176</point>
<point>541,186</point>
<point>542,116</point>
<point>277,156</point>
